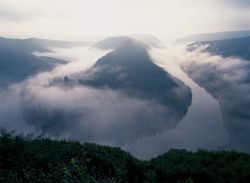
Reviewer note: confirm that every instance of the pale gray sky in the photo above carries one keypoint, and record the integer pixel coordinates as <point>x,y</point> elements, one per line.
<point>78,19</point>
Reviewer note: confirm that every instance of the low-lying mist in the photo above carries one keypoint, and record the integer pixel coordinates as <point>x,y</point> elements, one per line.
<point>202,127</point>
<point>111,117</point>
<point>227,80</point>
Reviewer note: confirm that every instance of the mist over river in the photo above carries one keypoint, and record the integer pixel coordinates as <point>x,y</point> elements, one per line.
<point>202,126</point>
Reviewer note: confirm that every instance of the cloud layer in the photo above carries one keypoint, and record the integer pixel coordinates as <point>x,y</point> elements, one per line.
<point>99,115</point>
<point>77,19</point>
<point>114,115</point>
<point>109,117</point>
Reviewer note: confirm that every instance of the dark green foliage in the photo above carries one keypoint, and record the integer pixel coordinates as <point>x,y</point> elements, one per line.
<point>43,160</point>
<point>202,166</point>
<point>27,159</point>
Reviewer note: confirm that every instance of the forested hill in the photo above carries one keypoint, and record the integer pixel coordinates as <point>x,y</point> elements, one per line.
<point>27,159</point>
<point>236,47</point>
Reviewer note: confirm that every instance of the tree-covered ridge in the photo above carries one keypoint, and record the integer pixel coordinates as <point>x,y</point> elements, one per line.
<point>130,68</point>
<point>24,159</point>
<point>17,61</point>
<point>124,81</point>
<point>236,47</point>
<point>27,159</point>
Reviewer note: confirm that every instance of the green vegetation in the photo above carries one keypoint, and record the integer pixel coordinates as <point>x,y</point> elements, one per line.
<point>32,160</point>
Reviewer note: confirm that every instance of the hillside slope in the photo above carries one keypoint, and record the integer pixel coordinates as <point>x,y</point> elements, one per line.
<point>17,61</point>
<point>23,159</point>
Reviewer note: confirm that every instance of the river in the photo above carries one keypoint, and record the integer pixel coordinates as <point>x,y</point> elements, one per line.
<point>202,126</point>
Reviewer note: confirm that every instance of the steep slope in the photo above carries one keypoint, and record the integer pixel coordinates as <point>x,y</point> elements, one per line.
<point>130,69</point>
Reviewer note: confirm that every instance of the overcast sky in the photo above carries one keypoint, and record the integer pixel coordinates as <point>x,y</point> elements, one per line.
<point>78,19</point>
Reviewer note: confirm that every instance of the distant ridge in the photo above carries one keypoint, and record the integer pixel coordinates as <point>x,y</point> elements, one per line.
<point>214,36</point>
<point>235,47</point>
<point>37,44</point>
